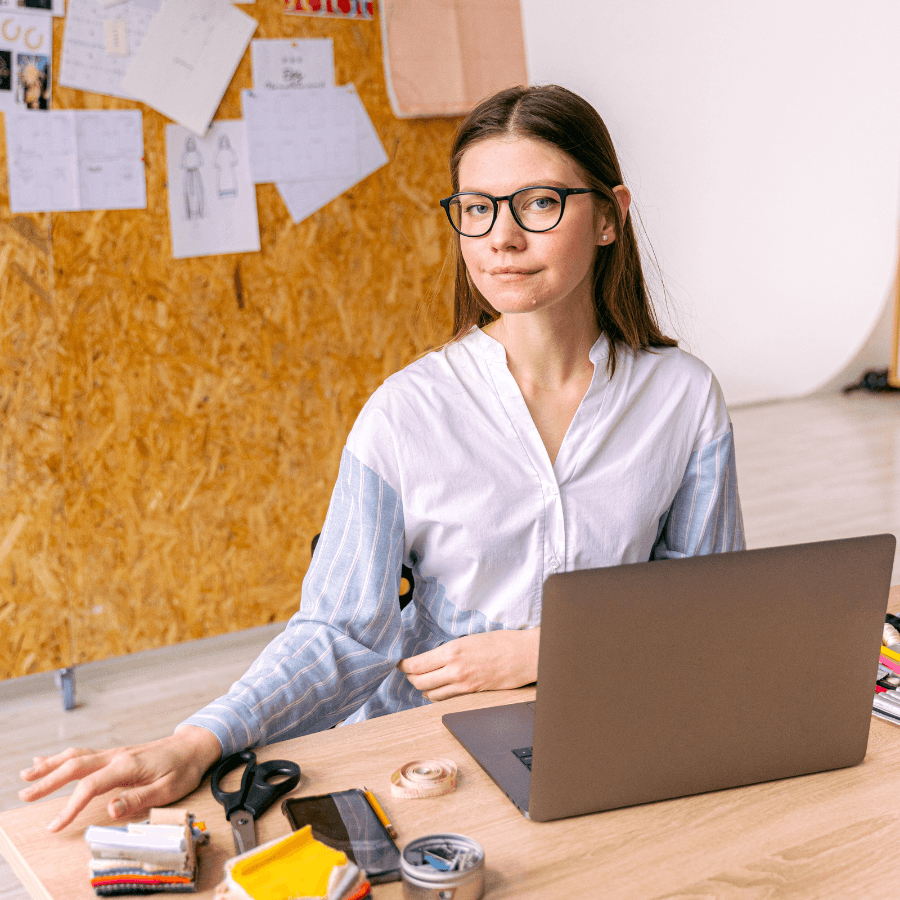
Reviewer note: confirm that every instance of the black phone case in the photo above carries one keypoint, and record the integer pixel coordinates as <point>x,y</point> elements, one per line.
<point>345,820</point>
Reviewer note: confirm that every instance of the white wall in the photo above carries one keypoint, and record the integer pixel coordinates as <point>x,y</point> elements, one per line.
<point>762,143</point>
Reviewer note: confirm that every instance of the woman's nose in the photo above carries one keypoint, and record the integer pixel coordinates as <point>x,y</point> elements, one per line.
<point>506,231</point>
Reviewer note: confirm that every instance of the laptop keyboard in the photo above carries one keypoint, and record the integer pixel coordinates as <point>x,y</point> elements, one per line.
<point>524,756</point>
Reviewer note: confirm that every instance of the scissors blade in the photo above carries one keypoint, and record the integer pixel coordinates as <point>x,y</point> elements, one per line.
<point>244,830</point>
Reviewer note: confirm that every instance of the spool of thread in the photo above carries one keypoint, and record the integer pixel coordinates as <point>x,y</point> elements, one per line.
<point>890,637</point>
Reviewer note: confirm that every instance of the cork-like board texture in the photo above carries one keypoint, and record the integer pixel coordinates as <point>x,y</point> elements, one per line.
<point>172,429</point>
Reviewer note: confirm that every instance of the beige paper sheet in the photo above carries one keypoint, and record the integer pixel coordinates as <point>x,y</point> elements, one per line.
<point>442,56</point>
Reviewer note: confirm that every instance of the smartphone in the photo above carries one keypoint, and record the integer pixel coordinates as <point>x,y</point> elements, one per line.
<point>344,820</point>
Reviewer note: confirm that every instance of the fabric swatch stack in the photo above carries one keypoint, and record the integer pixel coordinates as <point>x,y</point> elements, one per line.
<point>146,857</point>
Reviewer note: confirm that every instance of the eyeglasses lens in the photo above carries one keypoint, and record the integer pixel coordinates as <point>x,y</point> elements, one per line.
<point>472,214</point>
<point>538,209</point>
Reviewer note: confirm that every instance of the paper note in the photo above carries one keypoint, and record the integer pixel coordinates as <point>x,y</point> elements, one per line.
<point>342,9</point>
<point>300,134</point>
<point>292,65</point>
<point>26,51</point>
<point>212,199</point>
<point>442,56</point>
<point>56,7</point>
<point>303,198</point>
<point>76,159</point>
<point>89,63</point>
<point>187,59</point>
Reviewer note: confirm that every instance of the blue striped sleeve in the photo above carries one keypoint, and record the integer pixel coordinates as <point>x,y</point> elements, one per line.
<point>346,637</point>
<point>705,516</point>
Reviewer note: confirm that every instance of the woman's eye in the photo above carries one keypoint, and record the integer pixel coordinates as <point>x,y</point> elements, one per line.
<point>476,209</point>
<point>540,204</point>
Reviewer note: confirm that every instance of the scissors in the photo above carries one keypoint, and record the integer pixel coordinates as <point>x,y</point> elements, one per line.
<point>255,795</point>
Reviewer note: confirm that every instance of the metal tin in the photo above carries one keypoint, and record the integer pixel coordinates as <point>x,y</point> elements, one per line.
<point>443,867</point>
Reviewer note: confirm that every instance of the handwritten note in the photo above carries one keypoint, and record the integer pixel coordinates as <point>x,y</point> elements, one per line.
<point>292,65</point>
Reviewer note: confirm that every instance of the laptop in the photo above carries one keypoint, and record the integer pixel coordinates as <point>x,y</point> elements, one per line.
<point>676,677</point>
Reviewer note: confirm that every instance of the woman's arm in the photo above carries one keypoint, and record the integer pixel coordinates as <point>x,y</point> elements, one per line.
<point>335,652</point>
<point>346,637</point>
<point>705,516</point>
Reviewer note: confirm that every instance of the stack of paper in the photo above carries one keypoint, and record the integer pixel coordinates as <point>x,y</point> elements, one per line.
<point>314,140</point>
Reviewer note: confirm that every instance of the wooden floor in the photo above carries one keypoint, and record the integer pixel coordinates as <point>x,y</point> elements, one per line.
<point>811,469</point>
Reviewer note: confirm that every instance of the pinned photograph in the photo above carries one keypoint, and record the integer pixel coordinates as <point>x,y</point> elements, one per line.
<point>26,51</point>
<point>33,80</point>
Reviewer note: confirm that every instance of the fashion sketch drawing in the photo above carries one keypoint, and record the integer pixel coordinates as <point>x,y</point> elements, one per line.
<point>191,160</point>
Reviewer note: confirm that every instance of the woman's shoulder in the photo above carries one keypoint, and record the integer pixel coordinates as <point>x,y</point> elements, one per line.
<point>415,397</point>
<point>674,378</point>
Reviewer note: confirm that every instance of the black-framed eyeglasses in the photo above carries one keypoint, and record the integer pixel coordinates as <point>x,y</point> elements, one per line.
<point>538,208</point>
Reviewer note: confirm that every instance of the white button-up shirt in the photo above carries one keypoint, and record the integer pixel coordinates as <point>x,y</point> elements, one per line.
<point>444,470</point>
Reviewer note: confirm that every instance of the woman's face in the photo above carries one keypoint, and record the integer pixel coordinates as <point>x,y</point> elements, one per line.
<point>519,271</point>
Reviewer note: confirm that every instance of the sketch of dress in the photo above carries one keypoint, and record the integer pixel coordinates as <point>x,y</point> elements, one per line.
<point>226,162</point>
<point>191,160</point>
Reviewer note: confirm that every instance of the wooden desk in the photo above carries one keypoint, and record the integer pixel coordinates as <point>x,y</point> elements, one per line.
<point>829,835</point>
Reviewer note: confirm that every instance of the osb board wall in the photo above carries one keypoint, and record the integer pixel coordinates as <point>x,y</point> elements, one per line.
<point>172,428</point>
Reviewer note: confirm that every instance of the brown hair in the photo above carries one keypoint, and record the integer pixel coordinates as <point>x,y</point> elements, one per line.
<point>559,117</point>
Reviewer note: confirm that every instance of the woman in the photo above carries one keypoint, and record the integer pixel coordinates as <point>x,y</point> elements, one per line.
<point>558,430</point>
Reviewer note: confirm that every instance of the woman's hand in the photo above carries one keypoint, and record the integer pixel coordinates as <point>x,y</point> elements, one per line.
<point>489,661</point>
<point>154,774</point>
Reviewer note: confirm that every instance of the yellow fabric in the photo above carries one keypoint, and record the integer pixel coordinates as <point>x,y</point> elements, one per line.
<point>298,866</point>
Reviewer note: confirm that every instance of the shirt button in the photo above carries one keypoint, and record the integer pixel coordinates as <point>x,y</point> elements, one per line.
<point>554,562</point>
<point>554,490</point>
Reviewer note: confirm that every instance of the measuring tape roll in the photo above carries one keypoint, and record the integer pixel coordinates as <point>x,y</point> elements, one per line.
<point>424,778</point>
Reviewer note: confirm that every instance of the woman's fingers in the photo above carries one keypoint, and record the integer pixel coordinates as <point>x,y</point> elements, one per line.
<point>124,768</point>
<point>153,774</point>
<point>43,765</point>
<point>57,771</point>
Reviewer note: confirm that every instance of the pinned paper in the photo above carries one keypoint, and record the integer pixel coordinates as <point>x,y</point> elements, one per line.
<point>188,58</point>
<point>303,198</point>
<point>341,9</point>
<point>116,34</point>
<point>76,159</point>
<point>292,65</point>
<point>26,51</point>
<point>212,200</point>
<point>300,135</point>
<point>441,57</point>
<point>87,61</point>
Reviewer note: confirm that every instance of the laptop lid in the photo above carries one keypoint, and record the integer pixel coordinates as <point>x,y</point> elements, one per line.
<point>668,678</point>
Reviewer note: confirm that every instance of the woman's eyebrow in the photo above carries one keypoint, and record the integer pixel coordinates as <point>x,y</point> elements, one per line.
<point>547,182</point>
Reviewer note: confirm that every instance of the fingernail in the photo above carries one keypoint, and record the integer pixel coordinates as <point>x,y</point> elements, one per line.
<point>25,773</point>
<point>118,808</point>
<point>25,793</point>
<point>53,825</point>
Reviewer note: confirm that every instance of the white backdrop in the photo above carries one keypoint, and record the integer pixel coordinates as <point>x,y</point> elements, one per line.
<point>762,144</point>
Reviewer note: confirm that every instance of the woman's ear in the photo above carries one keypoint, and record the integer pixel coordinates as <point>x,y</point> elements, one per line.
<point>608,230</point>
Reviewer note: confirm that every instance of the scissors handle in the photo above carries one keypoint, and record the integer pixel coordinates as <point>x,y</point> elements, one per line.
<point>256,794</point>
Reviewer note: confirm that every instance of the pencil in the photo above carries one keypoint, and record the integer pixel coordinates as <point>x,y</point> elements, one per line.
<point>382,816</point>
